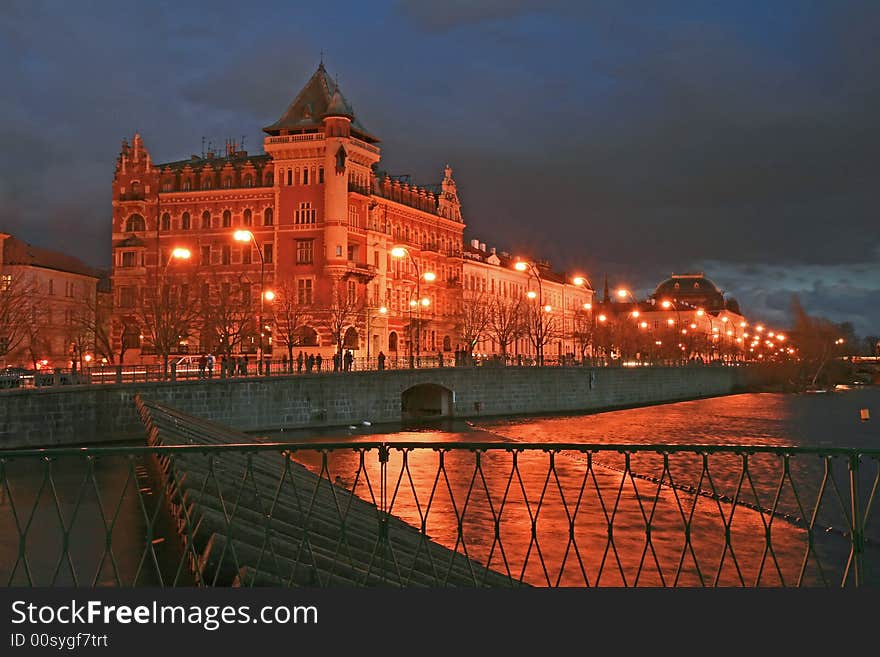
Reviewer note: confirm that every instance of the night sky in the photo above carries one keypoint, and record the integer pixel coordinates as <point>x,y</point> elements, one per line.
<point>738,138</point>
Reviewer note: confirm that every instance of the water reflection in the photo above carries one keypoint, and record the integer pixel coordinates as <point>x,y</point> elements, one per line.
<point>545,518</point>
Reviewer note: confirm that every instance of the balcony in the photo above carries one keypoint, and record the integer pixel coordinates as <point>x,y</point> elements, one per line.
<point>361,270</point>
<point>132,196</point>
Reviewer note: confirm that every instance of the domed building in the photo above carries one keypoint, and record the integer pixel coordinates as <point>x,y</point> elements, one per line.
<point>690,290</point>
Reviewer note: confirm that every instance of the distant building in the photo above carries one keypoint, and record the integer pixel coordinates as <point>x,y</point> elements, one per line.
<point>686,316</point>
<point>48,307</point>
<point>490,280</point>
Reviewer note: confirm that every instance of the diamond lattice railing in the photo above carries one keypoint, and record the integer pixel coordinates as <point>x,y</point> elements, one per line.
<point>410,514</point>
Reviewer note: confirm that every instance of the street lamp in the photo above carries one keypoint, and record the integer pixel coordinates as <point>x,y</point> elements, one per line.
<point>429,276</point>
<point>268,295</point>
<point>524,266</point>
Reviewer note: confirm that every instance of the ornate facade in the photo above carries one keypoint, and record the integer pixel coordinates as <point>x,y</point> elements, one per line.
<point>355,257</point>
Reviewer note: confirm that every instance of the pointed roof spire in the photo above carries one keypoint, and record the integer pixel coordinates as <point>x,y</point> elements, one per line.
<point>320,97</point>
<point>605,296</point>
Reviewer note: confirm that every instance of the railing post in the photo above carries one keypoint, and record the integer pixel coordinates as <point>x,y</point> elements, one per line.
<point>119,374</point>
<point>857,529</point>
<point>383,504</point>
<point>174,371</point>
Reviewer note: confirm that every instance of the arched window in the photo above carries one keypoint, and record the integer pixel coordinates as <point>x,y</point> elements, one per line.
<point>166,221</point>
<point>308,337</point>
<point>270,179</point>
<point>187,185</point>
<point>227,182</point>
<point>135,223</point>
<point>185,221</point>
<point>207,184</point>
<point>392,341</point>
<point>248,218</point>
<point>206,219</point>
<point>447,343</point>
<point>135,188</point>
<point>350,341</point>
<point>248,181</point>
<point>267,217</point>
<point>227,219</point>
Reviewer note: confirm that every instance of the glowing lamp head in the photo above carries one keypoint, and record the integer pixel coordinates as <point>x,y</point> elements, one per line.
<point>242,235</point>
<point>548,308</point>
<point>520,266</point>
<point>588,306</point>
<point>666,304</point>
<point>602,318</point>
<point>622,293</point>
<point>531,294</point>
<point>701,312</point>
<point>383,310</point>
<point>644,325</point>
<point>780,337</point>
<point>413,303</point>
<point>693,326</point>
<point>771,334</point>
<point>578,280</point>
<point>181,253</point>
<point>269,295</point>
<point>759,328</point>
<point>88,358</point>
<point>635,313</point>
<point>398,252</point>
<point>426,302</point>
<point>670,322</point>
<point>429,276</point>
<point>742,324</point>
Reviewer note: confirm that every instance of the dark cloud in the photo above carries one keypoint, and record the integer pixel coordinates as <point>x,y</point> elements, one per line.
<point>630,138</point>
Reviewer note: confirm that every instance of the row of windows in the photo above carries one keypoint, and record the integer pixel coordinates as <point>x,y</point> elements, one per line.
<point>136,222</point>
<point>227,182</point>
<point>302,176</point>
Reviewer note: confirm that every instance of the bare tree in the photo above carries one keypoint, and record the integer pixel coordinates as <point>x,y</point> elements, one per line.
<point>91,317</point>
<point>168,314</point>
<point>818,341</point>
<point>342,311</point>
<point>17,292</point>
<point>540,326</point>
<point>505,322</point>
<point>228,316</point>
<point>472,318</point>
<point>583,330</point>
<point>290,319</point>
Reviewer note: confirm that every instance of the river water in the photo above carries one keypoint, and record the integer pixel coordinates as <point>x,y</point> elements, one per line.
<point>541,518</point>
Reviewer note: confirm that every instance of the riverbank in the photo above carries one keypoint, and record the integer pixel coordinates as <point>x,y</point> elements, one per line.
<point>91,415</point>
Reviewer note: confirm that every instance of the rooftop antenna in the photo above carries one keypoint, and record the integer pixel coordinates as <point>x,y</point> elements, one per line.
<point>203,147</point>
<point>242,143</point>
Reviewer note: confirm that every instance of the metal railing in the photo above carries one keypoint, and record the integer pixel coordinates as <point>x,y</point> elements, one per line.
<point>561,514</point>
<point>238,366</point>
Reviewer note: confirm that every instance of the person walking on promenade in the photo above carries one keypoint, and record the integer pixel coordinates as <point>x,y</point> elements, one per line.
<point>310,363</point>
<point>318,360</point>
<point>349,359</point>
<point>381,360</point>
<point>203,363</point>
<point>299,362</point>
<point>439,358</point>
<point>210,365</point>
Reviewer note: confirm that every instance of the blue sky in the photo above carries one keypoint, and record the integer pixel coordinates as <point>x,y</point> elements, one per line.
<point>612,137</point>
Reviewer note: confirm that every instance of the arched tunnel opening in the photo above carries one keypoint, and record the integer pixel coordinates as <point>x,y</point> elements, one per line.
<point>426,401</point>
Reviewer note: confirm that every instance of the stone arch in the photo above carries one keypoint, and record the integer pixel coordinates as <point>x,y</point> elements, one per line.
<point>426,400</point>
<point>350,338</point>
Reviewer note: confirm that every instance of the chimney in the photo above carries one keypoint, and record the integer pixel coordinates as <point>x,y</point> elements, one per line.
<point>482,246</point>
<point>475,244</point>
<point>493,250</point>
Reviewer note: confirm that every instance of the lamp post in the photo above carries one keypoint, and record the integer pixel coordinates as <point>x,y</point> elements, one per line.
<point>248,236</point>
<point>525,266</point>
<point>403,252</point>
<point>578,281</point>
<point>383,310</point>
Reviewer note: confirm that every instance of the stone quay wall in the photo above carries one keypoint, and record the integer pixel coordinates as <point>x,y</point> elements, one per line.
<point>89,414</point>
